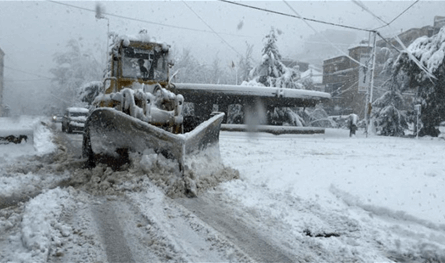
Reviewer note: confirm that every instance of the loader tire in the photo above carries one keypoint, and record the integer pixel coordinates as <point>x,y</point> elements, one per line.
<point>87,151</point>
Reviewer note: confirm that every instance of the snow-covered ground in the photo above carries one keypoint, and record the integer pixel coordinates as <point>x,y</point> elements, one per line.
<point>39,143</point>
<point>382,196</point>
<point>312,198</point>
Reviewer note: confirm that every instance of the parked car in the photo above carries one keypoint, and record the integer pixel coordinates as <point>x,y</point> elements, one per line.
<point>74,119</point>
<point>57,119</point>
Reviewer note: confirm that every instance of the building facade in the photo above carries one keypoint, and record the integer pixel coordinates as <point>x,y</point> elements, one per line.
<point>343,79</point>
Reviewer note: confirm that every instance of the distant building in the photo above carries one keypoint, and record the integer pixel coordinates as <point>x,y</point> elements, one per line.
<point>341,77</point>
<point>314,73</point>
<point>344,79</point>
<point>2,55</point>
<point>302,66</point>
<point>412,34</point>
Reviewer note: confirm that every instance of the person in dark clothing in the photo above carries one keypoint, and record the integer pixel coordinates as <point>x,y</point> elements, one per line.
<point>142,68</point>
<point>352,124</point>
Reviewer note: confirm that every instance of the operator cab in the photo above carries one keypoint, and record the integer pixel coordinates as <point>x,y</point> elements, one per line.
<point>138,61</point>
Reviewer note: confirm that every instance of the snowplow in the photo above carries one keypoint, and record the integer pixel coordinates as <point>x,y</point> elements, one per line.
<point>137,112</point>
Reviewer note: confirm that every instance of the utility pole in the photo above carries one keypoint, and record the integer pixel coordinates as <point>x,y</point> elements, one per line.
<point>99,15</point>
<point>368,107</point>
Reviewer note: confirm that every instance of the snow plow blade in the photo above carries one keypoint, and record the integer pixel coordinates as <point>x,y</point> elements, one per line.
<point>109,132</point>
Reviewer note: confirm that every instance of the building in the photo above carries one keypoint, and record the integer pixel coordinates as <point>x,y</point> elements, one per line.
<point>412,34</point>
<point>341,74</point>
<point>341,77</point>
<point>302,66</point>
<point>2,55</point>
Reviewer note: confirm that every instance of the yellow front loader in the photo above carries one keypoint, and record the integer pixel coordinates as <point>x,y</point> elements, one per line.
<point>137,111</point>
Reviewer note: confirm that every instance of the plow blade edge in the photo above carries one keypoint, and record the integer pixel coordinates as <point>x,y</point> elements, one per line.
<point>107,131</point>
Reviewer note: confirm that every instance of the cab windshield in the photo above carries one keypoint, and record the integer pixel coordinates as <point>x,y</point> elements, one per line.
<point>77,113</point>
<point>144,64</point>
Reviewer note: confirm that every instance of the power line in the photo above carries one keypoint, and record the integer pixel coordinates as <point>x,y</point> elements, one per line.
<point>143,21</point>
<point>360,4</point>
<point>23,80</point>
<point>297,16</point>
<point>387,42</point>
<point>311,27</point>
<point>212,29</point>
<point>324,43</point>
<point>404,11</point>
<point>19,70</point>
<point>413,58</point>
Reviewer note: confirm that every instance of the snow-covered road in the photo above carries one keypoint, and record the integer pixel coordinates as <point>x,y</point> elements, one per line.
<point>300,198</point>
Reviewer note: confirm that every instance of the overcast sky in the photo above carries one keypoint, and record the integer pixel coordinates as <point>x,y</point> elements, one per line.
<point>32,31</point>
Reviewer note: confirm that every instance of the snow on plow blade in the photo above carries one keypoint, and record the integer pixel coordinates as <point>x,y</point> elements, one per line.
<point>107,131</point>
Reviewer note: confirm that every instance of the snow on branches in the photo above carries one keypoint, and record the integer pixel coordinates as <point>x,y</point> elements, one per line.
<point>427,77</point>
<point>388,118</point>
<point>272,72</point>
<point>429,50</point>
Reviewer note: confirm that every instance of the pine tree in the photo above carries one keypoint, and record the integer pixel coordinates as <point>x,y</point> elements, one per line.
<point>388,118</point>
<point>272,72</point>
<point>428,78</point>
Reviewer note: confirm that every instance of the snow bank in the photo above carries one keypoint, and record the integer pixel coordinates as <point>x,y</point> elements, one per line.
<point>15,184</point>
<point>40,227</point>
<point>35,128</point>
<point>43,143</point>
<point>17,176</point>
<point>40,221</point>
<point>16,126</point>
<point>201,173</point>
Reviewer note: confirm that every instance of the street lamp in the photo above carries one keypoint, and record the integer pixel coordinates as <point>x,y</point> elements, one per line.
<point>99,15</point>
<point>417,109</point>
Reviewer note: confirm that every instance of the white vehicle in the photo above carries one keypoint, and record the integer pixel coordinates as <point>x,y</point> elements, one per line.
<point>73,119</point>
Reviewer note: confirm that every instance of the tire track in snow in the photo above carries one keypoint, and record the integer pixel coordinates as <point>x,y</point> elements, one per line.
<point>247,239</point>
<point>112,233</point>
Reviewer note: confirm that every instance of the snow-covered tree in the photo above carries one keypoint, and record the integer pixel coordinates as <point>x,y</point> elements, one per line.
<point>272,72</point>
<point>317,117</point>
<point>89,91</point>
<point>219,74</point>
<point>388,118</point>
<point>285,116</point>
<point>245,64</point>
<point>189,70</point>
<point>74,68</point>
<point>427,76</point>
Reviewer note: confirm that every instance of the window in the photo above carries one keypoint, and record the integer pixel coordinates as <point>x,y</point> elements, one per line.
<point>144,64</point>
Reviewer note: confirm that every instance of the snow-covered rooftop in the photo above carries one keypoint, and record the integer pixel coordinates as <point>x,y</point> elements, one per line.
<point>78,109</point>
<point>255,91</point>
